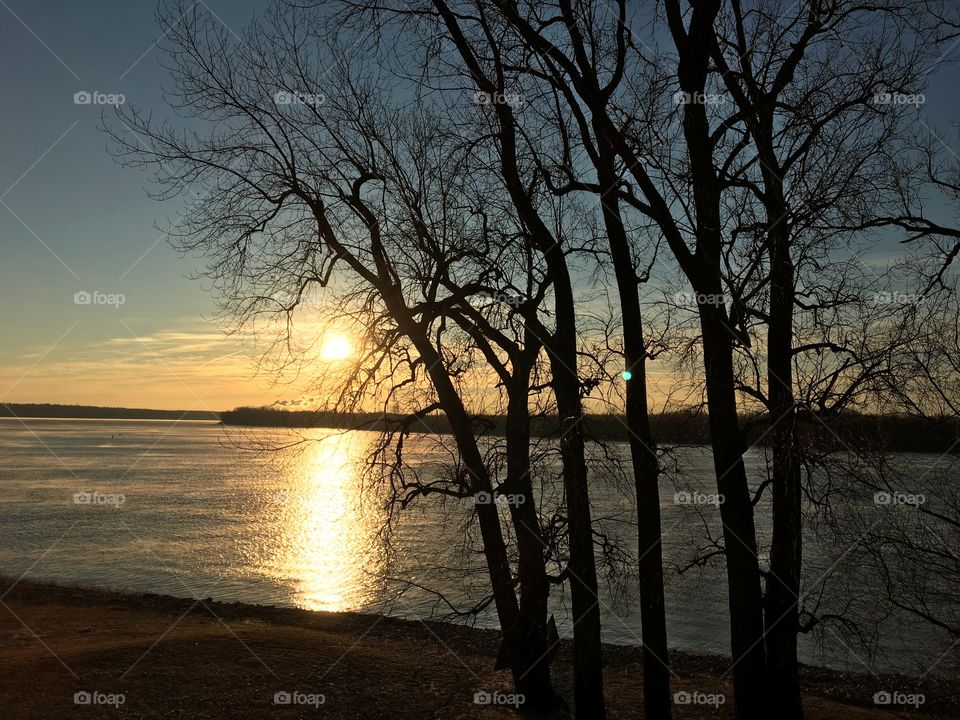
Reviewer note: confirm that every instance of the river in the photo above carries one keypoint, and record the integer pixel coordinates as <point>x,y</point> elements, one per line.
<point>196,509</point>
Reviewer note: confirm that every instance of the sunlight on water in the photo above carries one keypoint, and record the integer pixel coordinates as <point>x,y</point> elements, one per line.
<point>330,537</point>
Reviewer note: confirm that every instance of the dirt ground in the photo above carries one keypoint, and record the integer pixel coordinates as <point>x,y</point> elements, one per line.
<point>69,652</point>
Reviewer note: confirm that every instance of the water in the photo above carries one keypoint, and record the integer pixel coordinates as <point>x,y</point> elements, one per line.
<point>194,509</point>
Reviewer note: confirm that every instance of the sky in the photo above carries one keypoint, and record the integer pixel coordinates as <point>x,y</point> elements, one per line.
<point>74,221</point>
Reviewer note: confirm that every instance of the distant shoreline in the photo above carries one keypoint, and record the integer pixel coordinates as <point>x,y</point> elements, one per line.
<point>109,419</point>
<point>893,433</point>
<point>96,412</point>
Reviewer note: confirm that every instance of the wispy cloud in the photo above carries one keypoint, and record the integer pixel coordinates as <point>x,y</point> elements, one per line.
<point>167,367</point>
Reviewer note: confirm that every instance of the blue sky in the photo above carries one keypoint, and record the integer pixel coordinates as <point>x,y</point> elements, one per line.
<point>71,220</point>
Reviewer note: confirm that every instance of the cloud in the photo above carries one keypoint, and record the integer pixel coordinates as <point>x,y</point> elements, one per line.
<point>190,365</point>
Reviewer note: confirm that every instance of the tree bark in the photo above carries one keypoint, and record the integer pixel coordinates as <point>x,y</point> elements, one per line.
<point>781,610</point>
<point>736,512</point>
<point>494,548</point>
<point>531,639</point>
<point>646,468</point>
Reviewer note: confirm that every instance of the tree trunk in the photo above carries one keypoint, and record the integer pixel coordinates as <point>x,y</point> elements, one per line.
<point>530,638</point>
<point>587,649</point>
<point>705,274</point>
<point>646,468</point>
<point>494,548</point>
<point>736,512</point>
<point>781,611</point>
<point>561,347</point>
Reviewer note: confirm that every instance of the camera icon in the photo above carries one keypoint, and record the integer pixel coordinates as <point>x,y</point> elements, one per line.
<point>481,98</point>
<point>882,498</point>
<point>682,698</point>
<point>882,698</point>
<point>82,697</point>
<point>483,498</point>
<point>82,98</point>
<point>82,297</point>
<point>283,98</point>
<point>82,498</point>
<point>682,498</point>
<point>482,698</point>
<point>282,697</point>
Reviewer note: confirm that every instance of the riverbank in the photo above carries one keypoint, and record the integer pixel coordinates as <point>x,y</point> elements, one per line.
<point>174,658</point>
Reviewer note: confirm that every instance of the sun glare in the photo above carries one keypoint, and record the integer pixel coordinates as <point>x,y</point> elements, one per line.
<point>336,347</point>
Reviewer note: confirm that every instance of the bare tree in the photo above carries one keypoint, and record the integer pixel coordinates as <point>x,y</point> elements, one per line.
<point>316,182</point>
<point>805,87</point>
<point>560,35</point>
<point>491,75</point>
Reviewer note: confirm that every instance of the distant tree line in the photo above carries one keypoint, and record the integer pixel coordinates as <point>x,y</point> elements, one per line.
<point>52,410</point>
<point>893,433</point>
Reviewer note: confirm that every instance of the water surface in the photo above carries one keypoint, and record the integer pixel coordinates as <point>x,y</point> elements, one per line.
<point>195,509</point>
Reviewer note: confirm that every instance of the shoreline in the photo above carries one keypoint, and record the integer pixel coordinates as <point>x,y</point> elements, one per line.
<point>892,433</point>
<point>195,658</point>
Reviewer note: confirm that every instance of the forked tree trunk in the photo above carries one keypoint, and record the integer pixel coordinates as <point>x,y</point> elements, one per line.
<point>705,273</point>
<point>561,346</point>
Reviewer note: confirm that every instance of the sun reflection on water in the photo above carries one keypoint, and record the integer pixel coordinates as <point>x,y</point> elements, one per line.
<point>333,543</point>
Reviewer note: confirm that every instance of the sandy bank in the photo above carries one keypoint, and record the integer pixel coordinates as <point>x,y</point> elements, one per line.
<point>175,658</point>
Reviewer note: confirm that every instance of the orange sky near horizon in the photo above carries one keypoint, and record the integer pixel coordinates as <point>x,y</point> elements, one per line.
<point>191,367</point>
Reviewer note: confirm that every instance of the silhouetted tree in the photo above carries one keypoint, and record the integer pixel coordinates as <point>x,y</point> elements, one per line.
<point>313,179</point>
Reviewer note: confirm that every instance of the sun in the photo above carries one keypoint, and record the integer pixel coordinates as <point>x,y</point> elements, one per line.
<point>336,347</point>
